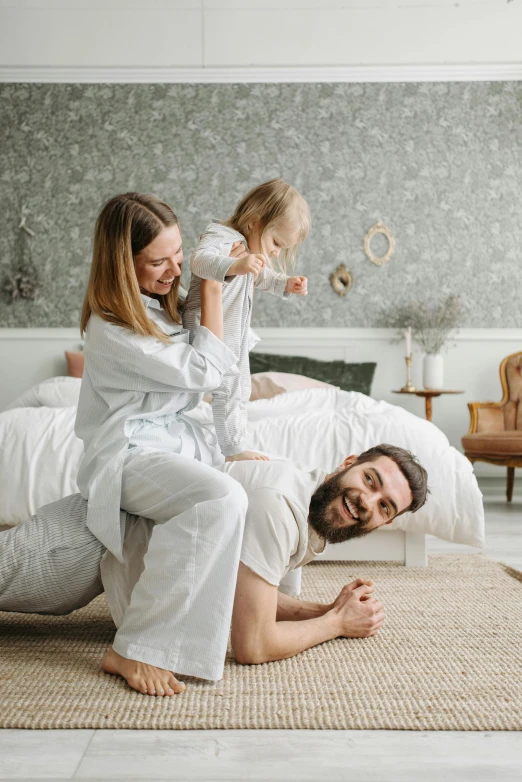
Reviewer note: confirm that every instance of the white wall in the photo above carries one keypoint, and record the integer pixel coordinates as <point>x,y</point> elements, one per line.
<point>126,40</point>
<point>28,356</point>
<point>236,33</point>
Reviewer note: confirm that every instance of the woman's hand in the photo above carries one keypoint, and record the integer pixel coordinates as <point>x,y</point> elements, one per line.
<point>238,250</point>
<point>247,263</point>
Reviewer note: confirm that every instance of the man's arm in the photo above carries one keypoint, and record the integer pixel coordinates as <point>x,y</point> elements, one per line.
<point>291,609</point>
<point>258,637</point>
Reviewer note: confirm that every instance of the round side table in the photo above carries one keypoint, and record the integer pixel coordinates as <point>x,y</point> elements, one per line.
<point>428,394</point>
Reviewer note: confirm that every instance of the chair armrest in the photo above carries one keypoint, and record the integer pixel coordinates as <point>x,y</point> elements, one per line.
<point>486,417</point>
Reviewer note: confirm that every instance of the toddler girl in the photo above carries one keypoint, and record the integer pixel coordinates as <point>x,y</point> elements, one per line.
<point>271,221</point>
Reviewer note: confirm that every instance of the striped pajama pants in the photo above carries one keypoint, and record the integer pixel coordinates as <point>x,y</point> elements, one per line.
<point>166,615</point>
<point>50,564</point>
<point>181,598</point>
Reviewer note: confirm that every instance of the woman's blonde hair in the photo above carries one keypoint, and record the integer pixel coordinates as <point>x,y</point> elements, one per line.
<point>125,226</point>
<point>273,203</point>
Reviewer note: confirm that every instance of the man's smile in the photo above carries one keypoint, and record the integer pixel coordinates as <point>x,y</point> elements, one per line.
<point>348,509</point>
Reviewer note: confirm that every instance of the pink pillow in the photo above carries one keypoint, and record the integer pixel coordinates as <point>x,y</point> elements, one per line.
<point>265,385</point>
<point>75,359</point>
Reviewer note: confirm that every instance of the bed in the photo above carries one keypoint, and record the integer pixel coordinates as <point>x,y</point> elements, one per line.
<point>317,427</point>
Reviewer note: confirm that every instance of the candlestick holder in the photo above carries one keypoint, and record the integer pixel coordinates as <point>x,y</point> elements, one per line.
<point>408,387</point>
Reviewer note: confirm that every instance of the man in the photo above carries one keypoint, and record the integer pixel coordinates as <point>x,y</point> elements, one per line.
<point>292,514</point>
<point>289,522</point>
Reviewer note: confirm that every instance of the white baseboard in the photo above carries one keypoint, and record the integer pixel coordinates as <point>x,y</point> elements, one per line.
<point>255,75</point>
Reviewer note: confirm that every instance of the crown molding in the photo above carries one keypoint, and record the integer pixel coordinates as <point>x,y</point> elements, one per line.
<point>326,74</point>
<point>292,335</point>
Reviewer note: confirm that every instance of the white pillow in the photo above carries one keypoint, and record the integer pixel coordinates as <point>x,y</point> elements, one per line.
<point>319,428</point>
<point>55,392</point>
<point>39,459</point>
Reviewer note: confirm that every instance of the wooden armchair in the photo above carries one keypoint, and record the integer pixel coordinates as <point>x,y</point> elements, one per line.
<point>495,432</point>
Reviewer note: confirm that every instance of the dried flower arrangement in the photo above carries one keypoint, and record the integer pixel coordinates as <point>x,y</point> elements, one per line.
<point>431,324</point>
<point>23,281</point>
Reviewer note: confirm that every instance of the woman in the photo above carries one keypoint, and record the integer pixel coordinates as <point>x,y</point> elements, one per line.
<point>144,454</point>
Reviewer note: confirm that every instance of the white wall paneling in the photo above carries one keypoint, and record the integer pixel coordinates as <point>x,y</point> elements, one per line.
<point>155,38</point>
<point>363,35</point>
<point>28,356</point>
<point>32,355</point>
<point>100,36</point>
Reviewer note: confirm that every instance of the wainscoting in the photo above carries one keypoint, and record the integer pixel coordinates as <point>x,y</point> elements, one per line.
<point>471,364</point>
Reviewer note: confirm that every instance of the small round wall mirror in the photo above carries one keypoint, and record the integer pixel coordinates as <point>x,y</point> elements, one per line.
<point>341,280</point>
<point>379,228</point>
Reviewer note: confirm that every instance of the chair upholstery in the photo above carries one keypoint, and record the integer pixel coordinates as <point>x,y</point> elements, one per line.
<point>493,443</point>
<point>495,432</point>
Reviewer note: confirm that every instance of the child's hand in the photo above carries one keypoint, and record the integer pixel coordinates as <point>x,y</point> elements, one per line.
<point>297,285</point>
<point>249,263</point>
<point>240,457</point>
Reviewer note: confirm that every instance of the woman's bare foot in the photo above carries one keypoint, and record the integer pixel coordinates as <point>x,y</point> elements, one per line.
<point>144,678</point>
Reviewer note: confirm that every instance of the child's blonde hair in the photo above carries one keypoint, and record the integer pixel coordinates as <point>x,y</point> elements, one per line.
<point>125,226</point>
<point>273,203</point>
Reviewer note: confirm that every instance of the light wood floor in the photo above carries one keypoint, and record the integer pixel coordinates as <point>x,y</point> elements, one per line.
<point>369,756</point>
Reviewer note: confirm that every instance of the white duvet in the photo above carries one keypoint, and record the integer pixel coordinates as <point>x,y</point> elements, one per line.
<point>39,453</point>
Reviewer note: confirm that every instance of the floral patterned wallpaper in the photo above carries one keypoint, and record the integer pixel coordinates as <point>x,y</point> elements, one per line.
<point>439,164</point>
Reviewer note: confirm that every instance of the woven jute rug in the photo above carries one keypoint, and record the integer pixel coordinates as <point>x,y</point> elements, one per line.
<point>449,657</point>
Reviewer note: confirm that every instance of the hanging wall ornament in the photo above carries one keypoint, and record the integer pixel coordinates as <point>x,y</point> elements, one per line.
<point>379,228</point>
<point>22,282</point>
<point>341,280</point>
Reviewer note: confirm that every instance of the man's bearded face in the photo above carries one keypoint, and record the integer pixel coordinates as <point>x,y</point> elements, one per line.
<point>358,499</point>
<point>326,520</point>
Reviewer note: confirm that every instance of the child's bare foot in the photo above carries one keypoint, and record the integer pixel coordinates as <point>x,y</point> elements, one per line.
<point>144,678</point>
<point>239,457</point>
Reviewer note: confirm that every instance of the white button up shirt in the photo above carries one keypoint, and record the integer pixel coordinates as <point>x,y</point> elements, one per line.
<point>135,391</point>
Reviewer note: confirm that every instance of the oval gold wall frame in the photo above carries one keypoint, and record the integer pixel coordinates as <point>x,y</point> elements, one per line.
<point>341,280</point>
<point>379,228</point>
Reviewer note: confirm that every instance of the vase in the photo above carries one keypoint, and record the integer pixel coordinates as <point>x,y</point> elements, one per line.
<point>433,371</point>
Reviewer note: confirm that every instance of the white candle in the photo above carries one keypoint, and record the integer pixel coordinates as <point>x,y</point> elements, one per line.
<point>408,342</point>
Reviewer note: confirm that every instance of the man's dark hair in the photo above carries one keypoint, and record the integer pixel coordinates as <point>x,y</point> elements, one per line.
<point>410,467</point>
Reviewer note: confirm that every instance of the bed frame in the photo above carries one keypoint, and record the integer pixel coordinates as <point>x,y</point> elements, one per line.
<point>382,545</point>
<point>31,355</point>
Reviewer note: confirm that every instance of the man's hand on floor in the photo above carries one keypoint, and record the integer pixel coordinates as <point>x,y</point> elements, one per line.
<point>355,612</point>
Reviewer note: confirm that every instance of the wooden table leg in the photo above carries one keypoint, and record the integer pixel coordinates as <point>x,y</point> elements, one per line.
<point>510,481</point>
<point>428,408</point>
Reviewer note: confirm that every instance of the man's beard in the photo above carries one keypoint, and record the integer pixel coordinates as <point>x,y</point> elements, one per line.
<point>322,517</point>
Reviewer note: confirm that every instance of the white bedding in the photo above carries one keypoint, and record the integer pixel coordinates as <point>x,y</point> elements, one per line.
<point>39,453</point>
